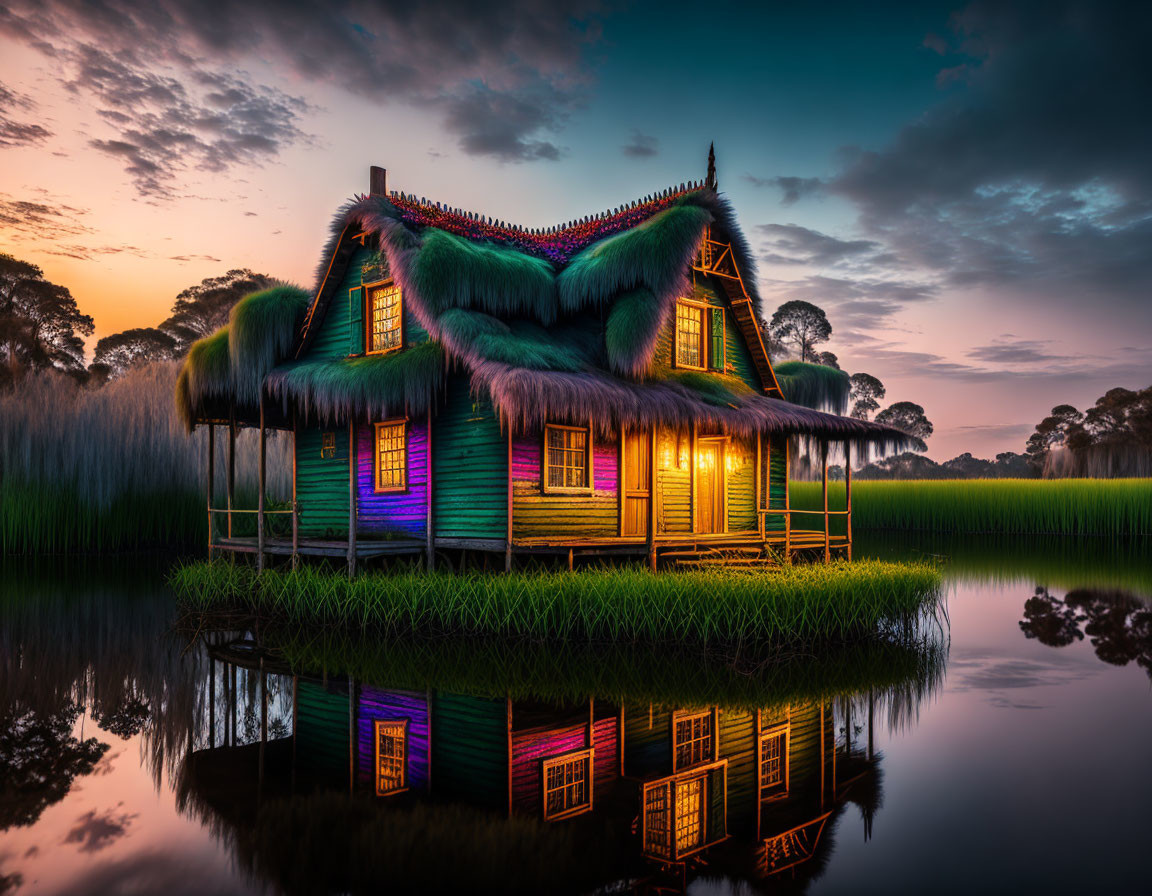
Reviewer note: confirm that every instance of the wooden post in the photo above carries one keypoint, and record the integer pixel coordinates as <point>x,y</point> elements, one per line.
<point>211,480</point>
<point>824,494</point>
<point>787,501</point>
<point>295,509</point>
<point>508,537</point>
<point>231,468</point>
<point>692,480</point>
<point>429,536</point>
<point>260,497</point>
<point>351,498</point>
<point>848,493</point>
<point>652,435</point>
<point>759,488</point>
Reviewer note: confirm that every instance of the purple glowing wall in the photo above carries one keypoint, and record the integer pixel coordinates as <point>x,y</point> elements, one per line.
<point>375,704</point>
<point>398,513</point>
<point>536,513</point>
<point>530,748</point>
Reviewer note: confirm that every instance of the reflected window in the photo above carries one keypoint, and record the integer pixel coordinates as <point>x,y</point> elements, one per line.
<point>674,816</point>
<point>774,762</point>
<point>567,785</point>
<point>391,756</point>
<point>693,738</point>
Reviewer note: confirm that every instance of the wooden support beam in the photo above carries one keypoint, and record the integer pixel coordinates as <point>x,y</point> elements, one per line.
<point>824,495</point>
<point>262,488</point>
<point>429,532</point>
<point>652,438</point>
<point>231,467</point>
<point>211,481</point>
<point>848,493</point>
<point>692,479</point>
<point>295,508</point>
<point>788,501</point>
<point>351,498</point>
<point>508,536</point>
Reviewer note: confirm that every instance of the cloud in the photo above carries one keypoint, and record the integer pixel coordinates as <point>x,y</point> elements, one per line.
<point>793,244</point>
<point>1008,350</point>
<point>35,220</point>
<point>96,832</point>
<point>792,189</point>
<point>641,146</point>
<point>1030,177</point>
<point>853,302</point>
<point>187,258</point>
<point>18,133</point>
<point>504,84</point>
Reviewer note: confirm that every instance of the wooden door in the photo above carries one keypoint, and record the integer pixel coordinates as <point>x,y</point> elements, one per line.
<point>636,483</point>
<point>710,486</point>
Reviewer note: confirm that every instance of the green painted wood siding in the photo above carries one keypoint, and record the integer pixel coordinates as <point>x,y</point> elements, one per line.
<point>321,730</point>
<point>741,483</point>
<point>737,730</point>
<point>673,482</point>
<point>777,482</point>
<point>737,358</point>
<point>322,484</point>
<point>470,748</point>
<point>647,741</point>
<point>469,467</point>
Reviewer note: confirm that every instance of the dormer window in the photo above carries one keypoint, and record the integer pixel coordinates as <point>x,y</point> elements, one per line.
<point>384,316</point>
<point>699,343</point>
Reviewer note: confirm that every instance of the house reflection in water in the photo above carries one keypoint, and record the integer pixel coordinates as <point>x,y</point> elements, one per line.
<point>681,791</point>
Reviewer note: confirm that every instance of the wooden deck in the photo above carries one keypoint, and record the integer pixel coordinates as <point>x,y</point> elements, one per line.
<point>317,547</point>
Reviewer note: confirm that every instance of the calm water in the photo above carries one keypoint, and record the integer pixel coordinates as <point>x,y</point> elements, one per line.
<point>1006,752</point>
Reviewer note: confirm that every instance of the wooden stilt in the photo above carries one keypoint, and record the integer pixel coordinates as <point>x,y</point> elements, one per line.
<point>429,532</point>
<point>759,487</point>
<point>211,481</point>
<point>263,487</point>
<point>652,437</point>
<point>824,494</point>
<point>351,499</point>
<point>570,559</point>
<point>788,501</point>
<point>848,494</point>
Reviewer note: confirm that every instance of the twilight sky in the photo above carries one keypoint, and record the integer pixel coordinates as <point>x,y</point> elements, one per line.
<point>965,188</point>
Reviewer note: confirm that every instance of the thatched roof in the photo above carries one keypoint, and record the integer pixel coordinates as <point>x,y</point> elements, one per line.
<point>559,323</point>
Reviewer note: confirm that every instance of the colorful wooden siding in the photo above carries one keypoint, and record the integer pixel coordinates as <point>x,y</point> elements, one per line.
<point>647,741</point>
<point>741,484</point>
<point>606,762</point>
<point>805,758</point>
<point>377,704</point>
<point>673,481</point>
<point>322,484</point>
<point>322,726</point>
<point>737,744</point>
<point>470,467</point>
<point>470,748</point>
<point>397,513</point>
<point>535,514</point>
<point>776,449</point>
<point>532,746</point>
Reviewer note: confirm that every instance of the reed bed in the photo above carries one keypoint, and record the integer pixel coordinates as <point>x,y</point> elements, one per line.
<point>1111,507</point>
<point>87,470</point>
<point>799,605</point>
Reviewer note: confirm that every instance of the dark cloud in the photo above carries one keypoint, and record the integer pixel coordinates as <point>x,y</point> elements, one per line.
<point>187,258</point>
<point>1032,175</point>
<point>40,219</point>
<point>18,133</point>
<point>854,303</point>
<point>641,146</point>
<point>793,244</point>
<point>1009,350</point>
<point>792,189</point>
<point>505,84</point>
<point>96,832</point>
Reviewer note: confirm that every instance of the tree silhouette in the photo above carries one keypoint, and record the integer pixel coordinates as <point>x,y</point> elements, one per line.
<point>39,758</point>
<point>120,351</point>
<point>1049,621</point>
<point>908,417</point>
<point>801,325</point>
<point>1118,624</point>
<point>866,393</point>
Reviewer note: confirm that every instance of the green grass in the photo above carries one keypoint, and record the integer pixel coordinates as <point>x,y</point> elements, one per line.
<point>1112,507</point>
<point>795,605</point>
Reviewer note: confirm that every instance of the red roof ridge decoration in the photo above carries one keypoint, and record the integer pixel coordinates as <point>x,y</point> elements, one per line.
<point>558,243</point>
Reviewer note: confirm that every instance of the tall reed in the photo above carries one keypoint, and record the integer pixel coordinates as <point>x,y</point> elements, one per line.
<point>1113,507</point>
<point>794,605</point>
<point>112,468</point>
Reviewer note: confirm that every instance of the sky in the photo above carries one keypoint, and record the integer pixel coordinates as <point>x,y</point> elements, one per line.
<point>964,188</point>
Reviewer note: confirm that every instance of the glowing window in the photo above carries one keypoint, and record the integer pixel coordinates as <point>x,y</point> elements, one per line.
<point>774,762</point>
<point>692,734</point>
<point>567,458</point>
<point>674,816</point>
<point>392,456</point>
<point>689,815</point>
<point>384,317</point>
<point>690,331</point>
<point>567,785</point>
<point>391,756</point>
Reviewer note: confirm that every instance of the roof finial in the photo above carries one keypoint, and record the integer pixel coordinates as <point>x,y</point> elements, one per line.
<point>711,181</point>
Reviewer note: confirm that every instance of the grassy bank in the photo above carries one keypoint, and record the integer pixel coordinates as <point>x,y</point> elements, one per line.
<point>85,470</point>
<point>795,605</point>
<point>1113,507</point>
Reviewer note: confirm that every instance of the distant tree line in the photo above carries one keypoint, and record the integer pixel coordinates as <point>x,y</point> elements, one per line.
<point>1112,438</point>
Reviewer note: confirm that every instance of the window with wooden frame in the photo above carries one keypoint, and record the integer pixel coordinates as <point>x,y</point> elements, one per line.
<point>327,445</point>
<point>383,314</point>
<point>772,759</point>
<point>391,756</point>
<point>391,456</point>
<point>693,738</point>
<point>699,342</point>
<point>567,782</point>
<point>675,818</point>
<point>567,458</point>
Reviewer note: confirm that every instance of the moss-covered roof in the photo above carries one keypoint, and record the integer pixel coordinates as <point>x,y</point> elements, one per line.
<point>560,323</point>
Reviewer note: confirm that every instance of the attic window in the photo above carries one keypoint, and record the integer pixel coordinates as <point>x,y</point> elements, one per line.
<point>391,756</point>
<point>384,317</point>
<point>692,735</point>
<point>567,785</point>
<point>392,456</point>
<point>567,458</point>
<point>328,445</point>
<point>699,336</point>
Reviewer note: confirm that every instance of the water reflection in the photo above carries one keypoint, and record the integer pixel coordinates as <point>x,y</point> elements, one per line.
<point>1118,624</point>
<point>427,785</point>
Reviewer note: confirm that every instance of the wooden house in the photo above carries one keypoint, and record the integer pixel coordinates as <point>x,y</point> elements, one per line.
<point>459,383</point>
